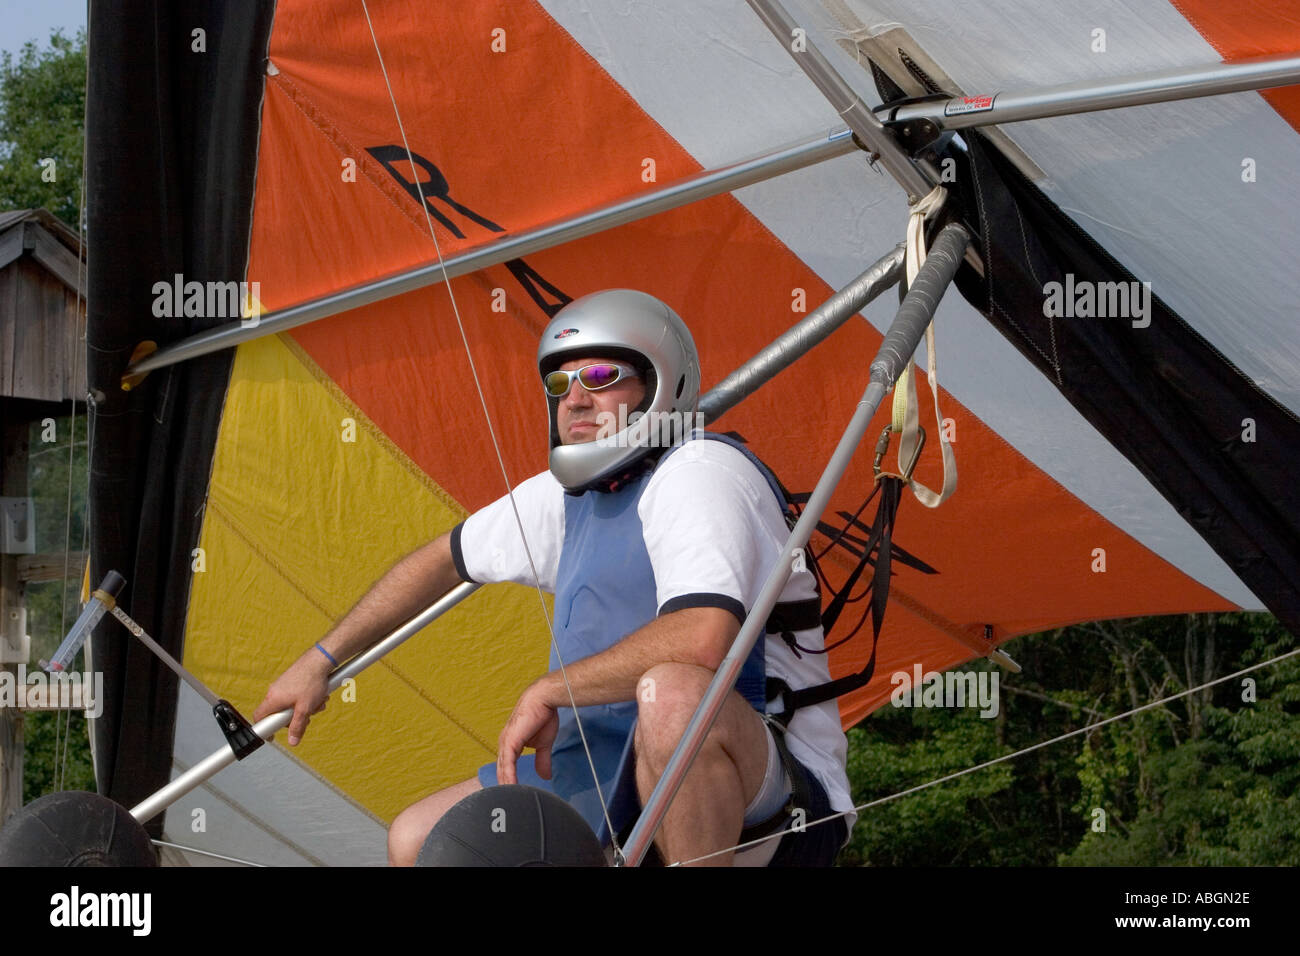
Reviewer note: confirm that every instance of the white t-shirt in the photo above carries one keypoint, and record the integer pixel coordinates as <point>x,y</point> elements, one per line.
<point>712,526</point>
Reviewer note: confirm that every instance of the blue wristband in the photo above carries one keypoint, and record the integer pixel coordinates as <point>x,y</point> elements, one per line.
<point>327,654</point>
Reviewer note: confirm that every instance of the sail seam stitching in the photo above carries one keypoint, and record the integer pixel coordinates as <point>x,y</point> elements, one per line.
<point>369,427</point>
<point>345,148</point>
<point>219,513</point>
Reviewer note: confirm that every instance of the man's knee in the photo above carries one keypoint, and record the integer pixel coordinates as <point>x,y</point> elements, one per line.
<point>667,697</point>
<point>411,827</point>
<point>403,841</point>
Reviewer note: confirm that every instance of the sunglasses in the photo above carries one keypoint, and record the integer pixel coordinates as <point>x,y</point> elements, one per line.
<point>592,377</point>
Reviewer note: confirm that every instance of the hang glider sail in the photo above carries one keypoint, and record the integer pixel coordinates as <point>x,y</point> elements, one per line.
<point>1116,459</point>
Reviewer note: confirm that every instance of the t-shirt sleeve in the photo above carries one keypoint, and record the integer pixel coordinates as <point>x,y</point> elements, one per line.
<point>487,547</point>
<point>713,529</point>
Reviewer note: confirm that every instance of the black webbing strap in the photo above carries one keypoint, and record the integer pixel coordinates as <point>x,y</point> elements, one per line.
<point>881,541</point>
<point>800,794</point>
<point>795,616</point>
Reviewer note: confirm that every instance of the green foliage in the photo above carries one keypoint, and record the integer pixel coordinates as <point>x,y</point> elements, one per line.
<point>56,755</point>
<point>1211,778</point>
<point>1010,814</point>
<point>1213,782</point>
<point>42,116</point>
<point>934,826</point>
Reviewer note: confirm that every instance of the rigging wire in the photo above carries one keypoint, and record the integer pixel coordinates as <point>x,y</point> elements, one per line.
<point>219,856</point>
<point>995,760</point>
<point>510,491</point>
<point>63,719</point>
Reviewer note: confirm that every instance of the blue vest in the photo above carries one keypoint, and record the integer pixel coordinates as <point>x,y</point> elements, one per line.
<point>604,591</point>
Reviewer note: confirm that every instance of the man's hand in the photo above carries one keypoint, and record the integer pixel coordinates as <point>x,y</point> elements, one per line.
<point>304,687</point>
<point>535,724</point>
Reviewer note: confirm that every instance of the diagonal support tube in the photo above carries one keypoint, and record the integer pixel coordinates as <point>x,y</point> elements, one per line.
<point>798,340</point>
<point>703,185</point>
<point>916,312</point>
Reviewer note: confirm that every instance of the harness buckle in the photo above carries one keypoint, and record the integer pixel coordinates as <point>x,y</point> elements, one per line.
<point>882,447</point>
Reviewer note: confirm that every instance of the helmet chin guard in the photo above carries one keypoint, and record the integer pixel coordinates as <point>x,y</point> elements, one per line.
<point>622,324</point>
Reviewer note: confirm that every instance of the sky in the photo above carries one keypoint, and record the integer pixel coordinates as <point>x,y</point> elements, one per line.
<point>23,20</point>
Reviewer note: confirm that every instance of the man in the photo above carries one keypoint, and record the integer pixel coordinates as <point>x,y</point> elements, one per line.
<point>655,556</point>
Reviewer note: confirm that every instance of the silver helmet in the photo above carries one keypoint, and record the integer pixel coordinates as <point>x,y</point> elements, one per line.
<point>637,328</point>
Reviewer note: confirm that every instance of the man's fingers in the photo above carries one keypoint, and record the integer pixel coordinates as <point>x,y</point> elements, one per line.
<point>507,755</point>
<point>298,725</point>
<point>506,767</point>
<point>542,763</point>
<point>272,703</point>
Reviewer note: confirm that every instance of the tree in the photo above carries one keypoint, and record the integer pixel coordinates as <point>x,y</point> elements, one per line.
<point>1214,780</point>
<point>42,126</point>
<point>56,755</point>
<point>1211,777</point>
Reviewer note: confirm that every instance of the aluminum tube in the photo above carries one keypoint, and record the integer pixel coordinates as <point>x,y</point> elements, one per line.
<point>797,341</point>
<point>1138,89</point>
<point>847,103</point>
<point>900,342</point>
<point>179,669</point>
<point>703,185</point>
<point>267,727</point>
<point>916,312</point>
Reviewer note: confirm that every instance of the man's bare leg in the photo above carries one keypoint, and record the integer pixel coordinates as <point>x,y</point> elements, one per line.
<point>708,812</point>
<point>411,827</point>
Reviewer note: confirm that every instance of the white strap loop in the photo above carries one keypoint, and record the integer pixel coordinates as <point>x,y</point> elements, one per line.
<point>906,419</point>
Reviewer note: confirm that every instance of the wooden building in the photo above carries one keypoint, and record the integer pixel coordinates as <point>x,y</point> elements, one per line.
<point>42,373</point>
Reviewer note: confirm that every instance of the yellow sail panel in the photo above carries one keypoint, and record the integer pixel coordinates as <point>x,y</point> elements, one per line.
<point>294,453</point>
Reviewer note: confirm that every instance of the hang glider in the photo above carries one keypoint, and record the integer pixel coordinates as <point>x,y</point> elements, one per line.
<point>261,472</point>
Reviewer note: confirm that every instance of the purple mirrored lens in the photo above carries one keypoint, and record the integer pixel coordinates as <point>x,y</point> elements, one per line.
<point>598,376</point>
